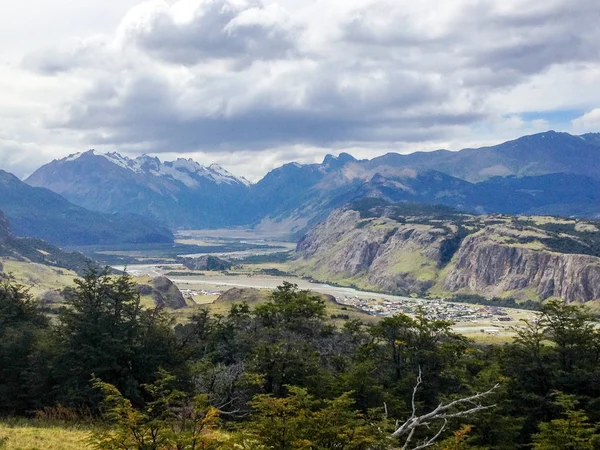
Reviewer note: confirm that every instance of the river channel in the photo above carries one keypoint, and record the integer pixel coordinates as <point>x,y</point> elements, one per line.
<point>224,282</point>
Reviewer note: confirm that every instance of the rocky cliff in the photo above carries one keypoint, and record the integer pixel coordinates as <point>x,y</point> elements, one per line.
<point>205,262</point>
<point>484,265</point>
<point>440,253</point>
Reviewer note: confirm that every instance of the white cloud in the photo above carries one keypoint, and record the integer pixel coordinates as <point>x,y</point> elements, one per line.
<point>589,122</point>
<point>238,81</point>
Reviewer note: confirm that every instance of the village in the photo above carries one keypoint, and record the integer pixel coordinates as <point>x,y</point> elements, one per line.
<point>192,293</point>
<point>432,309</point>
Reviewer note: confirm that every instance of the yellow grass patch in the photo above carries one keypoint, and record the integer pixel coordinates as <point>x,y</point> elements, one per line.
<point>30,435</point>
<point>38,277</point>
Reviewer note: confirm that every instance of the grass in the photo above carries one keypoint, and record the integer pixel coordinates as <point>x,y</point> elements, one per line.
<point>415,264</point>
<point>22,434</point>
<point>223,307</point>
<point>38,277</point>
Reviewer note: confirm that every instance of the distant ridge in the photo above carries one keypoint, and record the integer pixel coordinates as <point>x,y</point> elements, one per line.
<point>545,173</point>
<point>41,213</point>
<point>38,251</point>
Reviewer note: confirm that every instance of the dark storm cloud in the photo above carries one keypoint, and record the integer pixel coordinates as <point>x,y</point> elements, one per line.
<point>332,103</point>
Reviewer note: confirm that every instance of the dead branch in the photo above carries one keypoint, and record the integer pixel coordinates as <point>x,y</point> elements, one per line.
<point>442,412</point>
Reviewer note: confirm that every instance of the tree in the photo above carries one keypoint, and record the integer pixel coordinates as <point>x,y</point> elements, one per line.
<point>301,422</point>
<point>458,408</point>
<point>570,432</point>
<point>169,420</point>
<point>106,333</point>
<point>558,351</point>
<point>22,328</point>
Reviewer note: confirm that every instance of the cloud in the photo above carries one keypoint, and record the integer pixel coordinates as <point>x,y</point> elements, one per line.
<point>67,57</point>
<point>243,77</point>
<point>589,122</point>
<point>192,32</point>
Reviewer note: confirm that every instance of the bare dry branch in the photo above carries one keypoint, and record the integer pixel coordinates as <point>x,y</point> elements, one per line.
<point>431,441</point>
<point>443,412</point>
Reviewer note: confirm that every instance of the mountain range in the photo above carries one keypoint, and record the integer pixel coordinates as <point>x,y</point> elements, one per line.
<point>179,194</point>
<point>43,214</point>
<point>546,173</point>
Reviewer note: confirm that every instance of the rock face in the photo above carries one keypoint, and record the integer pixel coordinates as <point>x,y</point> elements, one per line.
<point>164,292</point>
<point>381,254</point>
<point>485,255</point>
<point>482,263</point>
<point>205,262</point>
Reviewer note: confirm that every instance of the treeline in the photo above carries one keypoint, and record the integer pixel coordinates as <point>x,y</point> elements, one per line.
<point>281,376</point>
<point>507,302</point>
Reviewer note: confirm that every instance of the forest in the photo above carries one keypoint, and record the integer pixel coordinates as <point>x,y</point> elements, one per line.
<point>281,376</point>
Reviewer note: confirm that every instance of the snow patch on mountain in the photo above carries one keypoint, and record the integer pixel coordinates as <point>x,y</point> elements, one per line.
<point>186,171</point>
<point>220,175</point>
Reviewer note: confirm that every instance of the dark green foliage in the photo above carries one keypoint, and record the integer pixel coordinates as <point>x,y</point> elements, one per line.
<point>169,420</point>
<point>36,250</point>
<point>375,207</point>
<point>205,262</point>
<point>157,253</point>
<point>22,327</point>
<point>50,255</point>
<point>299,421</point>
<point>563,237</point>
<point>572,431</point>
<point>277,257</point>
<point>282,376</point>
<point>587,244</point>
<point>507,302</point>
<point>105,333</point>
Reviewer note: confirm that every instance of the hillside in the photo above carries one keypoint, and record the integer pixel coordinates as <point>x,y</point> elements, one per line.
<point>32,250</point>
<point>426,250</point>
<point>41,213</point>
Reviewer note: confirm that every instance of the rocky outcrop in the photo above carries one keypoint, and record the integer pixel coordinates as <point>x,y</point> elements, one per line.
<point>484,265</point>
<point>205,262</point>
<point>237,295</point>
<point>486,255</point>
<point>377,253</point>
<point>164,293</point>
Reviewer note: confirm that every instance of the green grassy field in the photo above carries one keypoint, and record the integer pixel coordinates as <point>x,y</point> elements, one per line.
<point>37,277</point>
<point>222,307</point>
<point>21,434</point>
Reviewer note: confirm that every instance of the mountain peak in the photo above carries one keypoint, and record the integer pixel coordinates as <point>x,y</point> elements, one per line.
<point>335,162</point>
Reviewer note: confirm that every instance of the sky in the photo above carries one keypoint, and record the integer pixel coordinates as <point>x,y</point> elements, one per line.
<point>253,84</point>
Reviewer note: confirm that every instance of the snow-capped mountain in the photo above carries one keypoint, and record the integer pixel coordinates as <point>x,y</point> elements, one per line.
<point>180,193</point>
<point>188,171</point>
<point>545,173</point>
